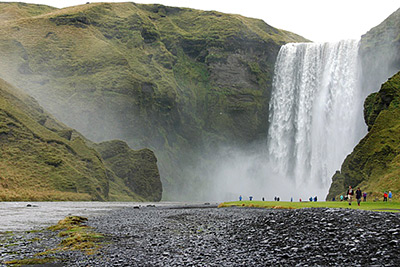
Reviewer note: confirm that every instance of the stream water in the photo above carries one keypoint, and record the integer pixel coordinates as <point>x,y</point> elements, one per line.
<point>25,216</point>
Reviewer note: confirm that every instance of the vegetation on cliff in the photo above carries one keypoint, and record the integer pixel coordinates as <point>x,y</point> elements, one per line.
<point>179,81</point>
<point>137,169</point>
<point>374,165</point>
<point>42,159</point>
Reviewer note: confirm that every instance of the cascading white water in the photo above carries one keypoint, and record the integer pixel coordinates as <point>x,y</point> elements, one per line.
<point>315,112</point>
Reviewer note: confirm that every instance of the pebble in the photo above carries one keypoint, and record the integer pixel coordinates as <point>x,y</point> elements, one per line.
<point>207,236</point>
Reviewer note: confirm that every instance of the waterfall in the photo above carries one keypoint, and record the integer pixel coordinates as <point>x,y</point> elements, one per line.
<point>315,112</point>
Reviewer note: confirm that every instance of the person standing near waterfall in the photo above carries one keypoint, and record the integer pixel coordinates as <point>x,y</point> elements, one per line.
<point>358,196</point>
<point>350,194</point>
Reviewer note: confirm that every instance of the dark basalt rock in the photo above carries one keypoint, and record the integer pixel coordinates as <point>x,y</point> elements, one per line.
<point>241,237</point>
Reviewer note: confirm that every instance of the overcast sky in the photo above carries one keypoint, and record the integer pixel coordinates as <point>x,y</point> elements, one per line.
<point>317,20</point>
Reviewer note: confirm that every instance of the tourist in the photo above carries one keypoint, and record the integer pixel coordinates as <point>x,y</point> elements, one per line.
<point>365,196</point>
<point>390,195</point>
<point>358,196</point>
<point>240,198</point>
<point>251,198</point>
<point>263,199</point>
<point>350,194</point>
<point>385,196</point>
<point>291,199</point>
<point>341,197</point>
<point>310,199</point>
<point>315,199</point>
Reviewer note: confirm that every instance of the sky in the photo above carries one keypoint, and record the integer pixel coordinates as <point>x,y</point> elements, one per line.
<point>316,20</point>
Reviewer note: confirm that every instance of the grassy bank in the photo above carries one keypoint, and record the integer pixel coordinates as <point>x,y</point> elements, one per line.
<point>369,205</point>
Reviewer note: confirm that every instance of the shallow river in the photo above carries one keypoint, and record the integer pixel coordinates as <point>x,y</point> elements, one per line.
<point>25,216</point>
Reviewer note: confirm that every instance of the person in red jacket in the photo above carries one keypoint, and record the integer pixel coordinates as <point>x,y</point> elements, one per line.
<point>385,195</point>
<point>350,194</point>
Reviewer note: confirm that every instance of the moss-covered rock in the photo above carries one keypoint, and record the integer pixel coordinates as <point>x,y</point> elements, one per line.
<point>374,165</point>
<point>137,169</point>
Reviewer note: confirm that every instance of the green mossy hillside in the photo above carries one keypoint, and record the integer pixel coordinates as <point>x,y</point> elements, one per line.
<point>374,165</point>
<point>37,163</point>
<point>179,81</point>
<point>43,160</point>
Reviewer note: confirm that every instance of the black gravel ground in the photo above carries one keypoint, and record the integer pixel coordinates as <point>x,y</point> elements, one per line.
<point>207,236</point>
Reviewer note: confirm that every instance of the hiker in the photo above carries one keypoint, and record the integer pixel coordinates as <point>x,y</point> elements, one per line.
<point>263,199</point>
<point>390,195</point>
<point>385,196</point>
<point>358,196</point>
<point>350,194</point>
<point>310,199</point>
<point>341,197</point>
<point>240,198</point>
<point>251,198</point>
<point>365,196</point>
<point>315,199</point>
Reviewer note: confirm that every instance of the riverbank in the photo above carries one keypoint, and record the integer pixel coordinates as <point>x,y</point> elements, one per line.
<point>207,236</point>
<point>369,205</point>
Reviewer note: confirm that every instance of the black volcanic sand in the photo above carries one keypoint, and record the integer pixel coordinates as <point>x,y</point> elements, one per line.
<point>207,236</point>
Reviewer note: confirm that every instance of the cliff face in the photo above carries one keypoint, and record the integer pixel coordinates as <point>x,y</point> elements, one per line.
<point>380,52</point>
<point>42,159</point>
<point>179,81</point>
<point>374,163</point>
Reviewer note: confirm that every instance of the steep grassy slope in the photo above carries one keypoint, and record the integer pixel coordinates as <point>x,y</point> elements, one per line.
<point>374,165</point>
<point>179,81</point>
<point>41,159</point>
<point>37,163</point>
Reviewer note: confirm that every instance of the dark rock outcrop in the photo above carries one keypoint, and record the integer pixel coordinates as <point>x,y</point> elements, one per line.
<point>138,169</point>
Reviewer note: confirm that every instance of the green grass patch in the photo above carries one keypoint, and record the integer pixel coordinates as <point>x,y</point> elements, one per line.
<point>369,205</point>
<point>77,235</point>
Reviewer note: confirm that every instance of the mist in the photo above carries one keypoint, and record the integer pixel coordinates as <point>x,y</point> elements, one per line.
<point>249,173</point>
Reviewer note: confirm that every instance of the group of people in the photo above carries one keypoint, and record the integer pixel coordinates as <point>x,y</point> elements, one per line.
<point>350,195</point>
<point>359,194</point>
<point>386,195</point>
